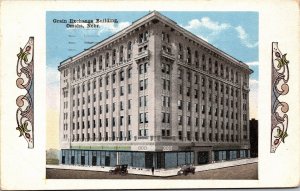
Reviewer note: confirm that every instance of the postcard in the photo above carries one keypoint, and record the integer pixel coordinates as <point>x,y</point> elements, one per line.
<point>149,95</point>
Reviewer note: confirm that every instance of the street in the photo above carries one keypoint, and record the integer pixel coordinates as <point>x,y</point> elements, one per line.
<point>246,171</point>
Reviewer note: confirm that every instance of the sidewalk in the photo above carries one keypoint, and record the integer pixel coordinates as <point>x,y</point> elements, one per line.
<point>158,172</point>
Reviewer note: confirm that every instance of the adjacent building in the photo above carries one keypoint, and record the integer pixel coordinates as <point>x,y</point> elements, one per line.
<point>153,94</point>
<point>253,137</point>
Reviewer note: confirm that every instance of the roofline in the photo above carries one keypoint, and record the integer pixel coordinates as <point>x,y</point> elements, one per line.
<point>170,22</point>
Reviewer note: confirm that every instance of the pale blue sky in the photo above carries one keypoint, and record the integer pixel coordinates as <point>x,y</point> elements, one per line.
<point>235,33</point>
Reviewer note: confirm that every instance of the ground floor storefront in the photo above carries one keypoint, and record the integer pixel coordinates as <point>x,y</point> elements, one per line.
<point>147,159</point>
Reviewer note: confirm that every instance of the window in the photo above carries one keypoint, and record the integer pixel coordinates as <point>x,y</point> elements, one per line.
<point>188,105</point>
<point>107,80</point>
<point>114,92</point>
<point>83,70</point>
<point>113,121</point>
<point>179,120</point>
<point>188,74</point>
<point>188,135</point>
<point>94,65</point>
<point>121,120</point>
<point>129,119</point>
<point>141,69</point>
<point>129,89</point>
<point>113,107</point>
<point>129,135</point>
<point>106,122</point>
<point>113,78</point>
<point>179,135</point>
<point>180,47</point>
<point>143,101</point>
<point>165,68</point>
<point>196,107</point>
<point>129,73</point>
<point>78,72</point>
<point>141,118</point>
<point>165,101</point>
<point>165,117</point>
<point>88,68</point>
<point>196,93</point>
<point>188,119</point>
<point>107,94</point>
<point>129,104</point>
<point>188,91</point>
<point>146,118</point>
<point>141,85</point>
<point>100,123</point>
<point>100,62</point>
<point>179,104</point>
<point>106,108</point>
<point>143,37</point>
<point>122,90</point>
<point>203,109</point>
<point>100,96</point>
<point>163,132</point>
<point>166,84</point>
<point>100,82</point>
<point>121,53</point>
<point>122,76</point>
<point>216,68</point>
<point>146,65</point>
<point>180,89</point>
<point>163,36</point>
<point>179,74</point>
<point>121,106</point>
<point>203,82</point>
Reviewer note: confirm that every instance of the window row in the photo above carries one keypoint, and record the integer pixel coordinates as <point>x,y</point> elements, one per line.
<point>113,108</point>
<point>101,123</point>
<point>228,75</point>
<point>210,137</point>
<point>105,137</point>
<point>209,123</point>
<point>121,93</point>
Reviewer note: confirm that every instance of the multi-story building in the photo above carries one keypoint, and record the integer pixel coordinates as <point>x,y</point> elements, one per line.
<point>156,95</point>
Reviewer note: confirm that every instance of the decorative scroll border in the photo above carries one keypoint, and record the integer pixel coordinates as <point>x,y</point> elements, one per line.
<point>25,80</point>
<point>280,78</point>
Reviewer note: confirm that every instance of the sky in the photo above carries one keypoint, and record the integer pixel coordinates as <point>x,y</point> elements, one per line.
<point>235,33</point>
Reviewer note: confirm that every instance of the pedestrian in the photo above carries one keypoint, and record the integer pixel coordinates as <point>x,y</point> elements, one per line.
<point>152,170</point>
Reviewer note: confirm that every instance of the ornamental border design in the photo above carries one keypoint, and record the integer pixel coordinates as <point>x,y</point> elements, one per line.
<point>279,88</point>
<point>25,102</point>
